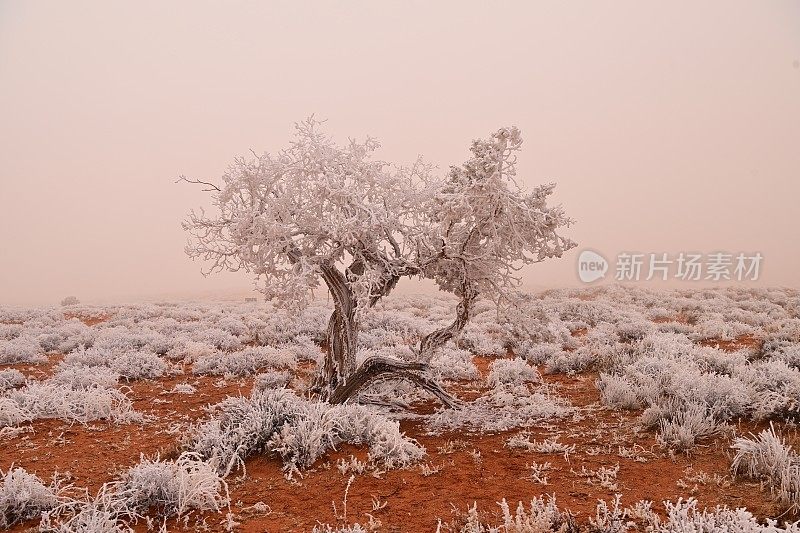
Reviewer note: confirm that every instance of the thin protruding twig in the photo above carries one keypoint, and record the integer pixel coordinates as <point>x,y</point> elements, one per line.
<point>198,182</point>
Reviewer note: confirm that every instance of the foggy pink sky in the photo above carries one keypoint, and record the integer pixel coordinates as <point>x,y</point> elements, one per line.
<point>668,126</point>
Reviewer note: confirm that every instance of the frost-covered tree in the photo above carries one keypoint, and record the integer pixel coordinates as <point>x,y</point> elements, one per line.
<point>70,300</point>
<point>319,213</point>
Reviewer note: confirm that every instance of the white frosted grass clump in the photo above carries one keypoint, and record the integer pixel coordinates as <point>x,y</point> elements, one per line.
<point>189,351</point>
<point>22,349</point>
<point>298,430</point>
<point>84,377</point>
<point>92,356</point>
<point>121,338</point>
<point>129,364</point>
<point>618,392</point>
<point>544,516</point>
<point>570,361</point>
<point>476,339</point>
<point>453,363</point>
<point>684,516</point>
<point>50,400</point>
<point>789,354</point>
<point>774,387</point>
<point>680,429</point>
<point>768,456</point>
<point>173,487</point>
<point>303,348</point>
<point>522,441</point>
<point>220,339</point>
<point>11,378</point>
<point>100,515</point>
<point>9,331</point>
<point>538,353</point>
<point>11,414</point>
<point>500,409</point>
<point>511,372</point>
<point>541,516</point>
<point>24,496</point>
<point>271,379</point>
<point>244,362</point>
<point>139,365</point>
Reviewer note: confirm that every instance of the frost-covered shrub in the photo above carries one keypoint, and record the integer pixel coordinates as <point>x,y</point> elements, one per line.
<point>271,379</point>
<point>74,334</point>
<point>681,428</point>
<point>22,349</point>
<point>542,515</point>
<point>129,365</point>
<point>617,392</point>
<point>511,372</point>
<point>298,430</point>
<point>11,378</point>
<point>244,362</point>
<point>719,362</point>
<point>11,414</point>
<point>500,409</point>
<point>570,362</point>
<point>51,400</point>
<point>9,331</point>
<point>681,516</point>
<point>139,365</point>
<point>482,340</point>
<point>190,351</point>
<point>24,496</point>
<point>684,516</point>
<point>789,354</point>
<point>173,487</point>
<point>453,363</point>
<point>538,353</point>
<point>774,385</point>
<point>84,377</point>
<point>303,348</point>
<point>92,356</point>
<point>99,515</point>
<point>768,456</point>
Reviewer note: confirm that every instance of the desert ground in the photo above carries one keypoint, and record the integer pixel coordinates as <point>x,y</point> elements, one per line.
<point>613,409</point>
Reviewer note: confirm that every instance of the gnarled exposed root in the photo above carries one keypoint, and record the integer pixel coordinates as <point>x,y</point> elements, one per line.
<point>385,368</point>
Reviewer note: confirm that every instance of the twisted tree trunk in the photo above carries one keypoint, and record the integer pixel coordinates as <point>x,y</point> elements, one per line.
<point>436,339</point>
<point>342,386</point>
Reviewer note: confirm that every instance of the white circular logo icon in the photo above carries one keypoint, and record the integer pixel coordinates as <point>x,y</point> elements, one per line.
<point>591,266</point>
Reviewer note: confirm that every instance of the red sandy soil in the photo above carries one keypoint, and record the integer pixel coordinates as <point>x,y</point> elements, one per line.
<point>95,453</point>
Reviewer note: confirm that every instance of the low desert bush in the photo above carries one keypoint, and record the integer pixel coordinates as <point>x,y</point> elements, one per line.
<point>172,487</point>
<point>24,496</point>
<point>511,372</point>
<point>681,427</point>
<point>84,377</point>
<point>767,456</point>
<point>271,379</point>
<point>11,378</point>
<point>300,431</point>
<point>51,400</point>
<point>244,362</point>
<point>22,349</point>
<point>500,409</point>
